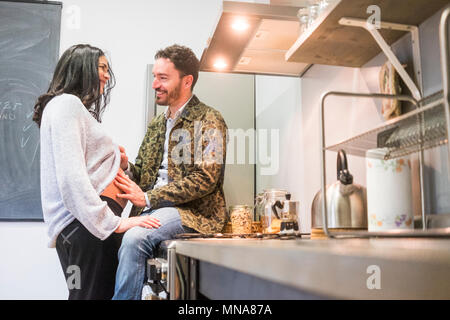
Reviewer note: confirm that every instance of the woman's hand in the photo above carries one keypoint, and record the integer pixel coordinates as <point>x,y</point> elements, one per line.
<point>123,158</point>
<point>141,221</point>
<point>131,191</point>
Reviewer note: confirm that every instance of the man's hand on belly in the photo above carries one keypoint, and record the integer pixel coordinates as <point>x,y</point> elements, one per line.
<point>131,191</point>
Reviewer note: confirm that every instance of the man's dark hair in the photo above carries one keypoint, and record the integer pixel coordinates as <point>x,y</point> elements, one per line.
<point>184,60</point>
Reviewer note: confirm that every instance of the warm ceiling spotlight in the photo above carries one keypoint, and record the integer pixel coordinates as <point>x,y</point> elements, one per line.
<point>240,25</point>
<point>220,64</point>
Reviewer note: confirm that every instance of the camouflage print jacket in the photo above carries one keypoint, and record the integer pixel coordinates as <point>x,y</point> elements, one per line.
<point>196,166</point>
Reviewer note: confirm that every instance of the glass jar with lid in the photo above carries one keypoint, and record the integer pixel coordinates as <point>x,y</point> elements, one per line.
<point>241,217</point>
<point>313,13</point>
<point>323,5</point>
<point>303,18</point>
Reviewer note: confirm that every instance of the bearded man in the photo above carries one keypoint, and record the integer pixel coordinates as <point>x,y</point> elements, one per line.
<point>178,175</point>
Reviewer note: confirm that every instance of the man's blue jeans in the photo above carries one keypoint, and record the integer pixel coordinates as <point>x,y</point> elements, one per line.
<point>138,245</point>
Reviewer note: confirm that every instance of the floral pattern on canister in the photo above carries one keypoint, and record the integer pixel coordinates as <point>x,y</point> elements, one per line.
<point>393,165</point>
<point>374,222</point>
<point>401,220</point>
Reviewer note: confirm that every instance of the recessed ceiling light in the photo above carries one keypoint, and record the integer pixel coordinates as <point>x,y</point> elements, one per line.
<point>240,24</point>
<point>220,64</point>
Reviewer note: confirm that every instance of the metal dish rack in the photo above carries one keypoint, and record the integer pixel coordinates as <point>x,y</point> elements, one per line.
<point>425,127</point>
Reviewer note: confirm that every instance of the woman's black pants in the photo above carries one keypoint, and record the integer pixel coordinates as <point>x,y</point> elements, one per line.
<point>89,264</point>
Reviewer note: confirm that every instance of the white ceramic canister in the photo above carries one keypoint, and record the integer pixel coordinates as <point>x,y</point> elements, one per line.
<point>389,192</point>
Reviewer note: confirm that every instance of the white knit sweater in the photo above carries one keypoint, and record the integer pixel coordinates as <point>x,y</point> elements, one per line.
<point>78,161</point>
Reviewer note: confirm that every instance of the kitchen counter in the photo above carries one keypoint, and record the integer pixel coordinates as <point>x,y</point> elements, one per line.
<point>336,268</point>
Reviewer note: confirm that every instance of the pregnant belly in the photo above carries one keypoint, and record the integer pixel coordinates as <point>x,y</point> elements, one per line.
<point>111,192</point>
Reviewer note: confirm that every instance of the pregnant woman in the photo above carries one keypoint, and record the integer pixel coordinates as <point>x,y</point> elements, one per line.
<point>79,164</point>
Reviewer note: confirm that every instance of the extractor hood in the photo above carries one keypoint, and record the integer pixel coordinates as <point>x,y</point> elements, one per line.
<point>253,38</point>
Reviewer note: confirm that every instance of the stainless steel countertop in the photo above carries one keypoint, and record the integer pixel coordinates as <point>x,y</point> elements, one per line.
<point>408,268</point>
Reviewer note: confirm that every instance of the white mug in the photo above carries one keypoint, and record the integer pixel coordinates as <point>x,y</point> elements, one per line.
<point>389,192</point>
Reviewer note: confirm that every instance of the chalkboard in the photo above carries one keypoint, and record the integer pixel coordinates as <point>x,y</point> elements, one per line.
<point>29,50</point>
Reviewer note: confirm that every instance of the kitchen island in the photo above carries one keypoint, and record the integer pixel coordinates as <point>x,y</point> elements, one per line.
<point>238,268</point>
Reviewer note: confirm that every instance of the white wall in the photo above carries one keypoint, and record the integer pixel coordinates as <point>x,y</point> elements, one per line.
<point>130,32</point>
<point>292,105</point>
<point>344,118</point>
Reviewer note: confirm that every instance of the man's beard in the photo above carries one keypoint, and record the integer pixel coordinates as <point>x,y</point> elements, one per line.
<point>171,97</point>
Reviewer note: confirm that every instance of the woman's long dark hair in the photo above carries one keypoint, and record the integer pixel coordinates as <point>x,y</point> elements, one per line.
<point>77,73</point>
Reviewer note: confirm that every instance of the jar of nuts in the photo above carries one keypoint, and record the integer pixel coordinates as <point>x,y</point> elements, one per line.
<point>241,218</point>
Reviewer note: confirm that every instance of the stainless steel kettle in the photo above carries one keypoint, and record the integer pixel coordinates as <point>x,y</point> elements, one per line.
<point>346,202</point>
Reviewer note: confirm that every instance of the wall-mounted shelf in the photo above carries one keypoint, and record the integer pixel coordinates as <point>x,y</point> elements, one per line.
<point>330,43</point>
<point>420,129</point>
